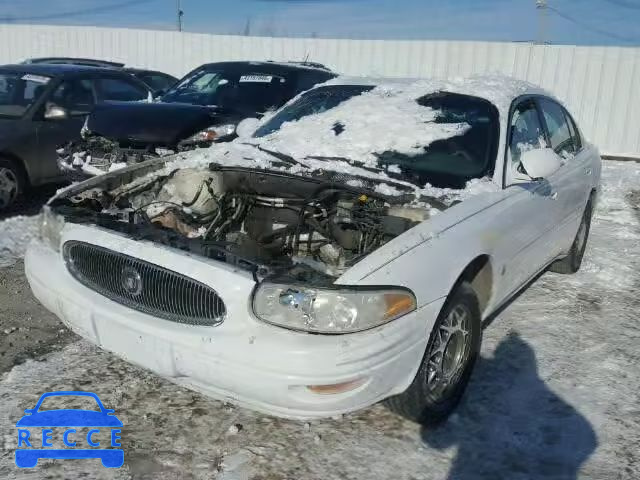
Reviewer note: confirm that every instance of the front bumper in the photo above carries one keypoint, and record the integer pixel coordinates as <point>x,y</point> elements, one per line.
<point>243,360</point>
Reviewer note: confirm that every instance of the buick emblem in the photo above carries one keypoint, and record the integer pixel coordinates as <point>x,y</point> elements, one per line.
<point>131,281</point>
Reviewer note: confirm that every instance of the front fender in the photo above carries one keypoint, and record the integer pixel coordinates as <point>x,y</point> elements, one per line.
<point>429,258</point>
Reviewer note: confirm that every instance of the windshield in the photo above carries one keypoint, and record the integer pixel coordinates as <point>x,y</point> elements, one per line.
<point>246,91</point>
<point>444,139</point>
<point>453,161</point>
<point>314,102</point>
<point>18,91</point>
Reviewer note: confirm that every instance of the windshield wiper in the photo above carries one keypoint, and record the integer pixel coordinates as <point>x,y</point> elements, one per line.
<point>355,163</point>
<point>283,157</point>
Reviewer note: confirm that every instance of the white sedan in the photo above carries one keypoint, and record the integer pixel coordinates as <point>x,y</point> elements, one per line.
<point>343,251</point>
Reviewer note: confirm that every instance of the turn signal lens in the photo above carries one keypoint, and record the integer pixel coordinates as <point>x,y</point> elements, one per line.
<point>398,304</point>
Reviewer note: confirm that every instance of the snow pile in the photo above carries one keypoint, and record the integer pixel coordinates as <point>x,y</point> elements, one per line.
<point>498,89</point>
<point>384,119</point>
<point>117,166</point>
<point>387,118</point>
<point>15,235</point>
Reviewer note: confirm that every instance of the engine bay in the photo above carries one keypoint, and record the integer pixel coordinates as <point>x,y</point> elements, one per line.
<point>258,220</point>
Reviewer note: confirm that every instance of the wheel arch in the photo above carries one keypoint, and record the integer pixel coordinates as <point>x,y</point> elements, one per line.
<point>479,274</point>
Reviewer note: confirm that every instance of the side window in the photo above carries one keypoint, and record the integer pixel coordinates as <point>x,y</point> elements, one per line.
<point>526,130</point>
<point>575,134</point>
<point>76,96</point>
<point>119,89</point>
<point>258,92</point>
<point>157,81</point>
<point>560,136</point>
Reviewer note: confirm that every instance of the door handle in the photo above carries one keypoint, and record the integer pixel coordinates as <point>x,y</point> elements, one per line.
<point>587,171</point>
<point>554,195</point>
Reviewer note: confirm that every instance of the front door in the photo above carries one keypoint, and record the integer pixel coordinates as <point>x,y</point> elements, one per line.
<point>532,209</point>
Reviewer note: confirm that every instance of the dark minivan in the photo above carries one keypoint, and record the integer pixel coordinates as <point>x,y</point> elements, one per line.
<point>203,107</point>
<point>43,106</point>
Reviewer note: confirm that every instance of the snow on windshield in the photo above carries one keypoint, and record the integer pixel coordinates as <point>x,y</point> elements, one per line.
<point>383,119</point>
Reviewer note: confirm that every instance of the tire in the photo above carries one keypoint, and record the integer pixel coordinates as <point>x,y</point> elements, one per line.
<point>11,184</point>
<point>572,262</point>
<point>430,403</point>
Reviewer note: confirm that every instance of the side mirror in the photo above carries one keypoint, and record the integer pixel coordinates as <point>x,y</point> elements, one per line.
<point>246,127</point>
<point>55,112</point>
<point>540,163</point>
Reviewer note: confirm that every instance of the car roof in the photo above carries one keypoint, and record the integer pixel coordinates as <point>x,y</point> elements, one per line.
<point>270,66</point>
<point>54,70</point>
<point>73,61</point>
<point>144,70</point>
<point>500,90</point>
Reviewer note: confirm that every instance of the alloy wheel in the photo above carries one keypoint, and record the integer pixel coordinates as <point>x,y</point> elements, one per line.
<point>8,187</point>
<point>449,353</point>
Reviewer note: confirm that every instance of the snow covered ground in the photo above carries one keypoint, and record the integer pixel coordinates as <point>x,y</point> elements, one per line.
<point>556,394</point>
<point>15,233</point>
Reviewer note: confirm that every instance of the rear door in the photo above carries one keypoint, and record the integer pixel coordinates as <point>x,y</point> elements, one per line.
<point>575,175</point>
<point>76,95</point>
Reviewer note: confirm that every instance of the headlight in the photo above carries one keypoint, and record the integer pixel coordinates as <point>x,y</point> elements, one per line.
<point>210,134</point>
<point>327,310</point>
<point>51,225</point>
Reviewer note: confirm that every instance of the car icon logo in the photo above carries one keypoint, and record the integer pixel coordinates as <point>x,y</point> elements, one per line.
<point>131,281</point>
<point>38,427</point>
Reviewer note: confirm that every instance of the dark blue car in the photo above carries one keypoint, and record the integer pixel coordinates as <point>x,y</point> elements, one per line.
<point>28,457</point>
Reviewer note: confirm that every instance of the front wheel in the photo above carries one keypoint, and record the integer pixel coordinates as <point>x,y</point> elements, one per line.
<point>454,345</point>
<point>11,184</point>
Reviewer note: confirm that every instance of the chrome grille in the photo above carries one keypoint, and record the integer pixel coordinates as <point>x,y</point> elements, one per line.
<point>143,286</point>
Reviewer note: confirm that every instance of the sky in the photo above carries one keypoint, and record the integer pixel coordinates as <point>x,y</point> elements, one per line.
<point>582,22</point>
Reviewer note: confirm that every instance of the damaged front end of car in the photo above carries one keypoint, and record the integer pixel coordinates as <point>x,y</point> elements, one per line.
<point>116,135</point>
<point>95,155</point>
<point>273,223</point>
